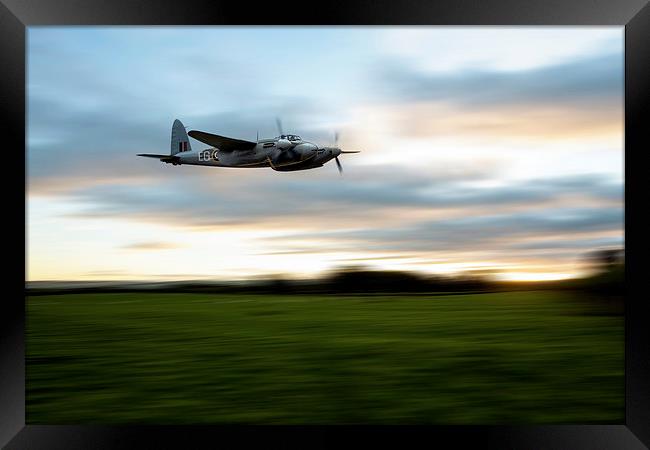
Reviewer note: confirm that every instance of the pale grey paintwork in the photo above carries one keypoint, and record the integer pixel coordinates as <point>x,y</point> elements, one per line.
<point>179,137</point>
<point>283,153</point>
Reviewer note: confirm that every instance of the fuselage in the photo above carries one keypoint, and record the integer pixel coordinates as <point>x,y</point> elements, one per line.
<point>280,154</point>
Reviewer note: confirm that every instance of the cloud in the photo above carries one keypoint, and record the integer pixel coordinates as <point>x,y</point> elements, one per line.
<point>572,244</point>
<point>473,232</point>
<point>370,203</point>
<point>576,99</point>
<point>151,245</point>
<point>583,82</point>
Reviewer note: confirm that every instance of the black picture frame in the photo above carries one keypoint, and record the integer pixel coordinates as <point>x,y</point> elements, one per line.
<point>634,15</point>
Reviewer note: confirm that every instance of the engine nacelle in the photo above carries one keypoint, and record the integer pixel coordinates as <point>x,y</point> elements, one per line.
<point>283,144</point>
<point>298,153</point>
<point>306,150</point>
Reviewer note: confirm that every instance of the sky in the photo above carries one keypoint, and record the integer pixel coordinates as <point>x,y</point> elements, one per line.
<point>484,150</point>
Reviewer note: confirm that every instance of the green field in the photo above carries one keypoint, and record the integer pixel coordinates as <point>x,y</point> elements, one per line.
<point>518,357</point>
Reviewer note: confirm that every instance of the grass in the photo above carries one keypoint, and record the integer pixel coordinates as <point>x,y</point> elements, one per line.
<point>502,358</point>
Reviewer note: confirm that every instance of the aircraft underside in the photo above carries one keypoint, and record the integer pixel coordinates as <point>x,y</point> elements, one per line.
<point>303,165</point>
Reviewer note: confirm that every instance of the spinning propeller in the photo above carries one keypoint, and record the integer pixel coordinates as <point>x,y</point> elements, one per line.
<point>338,163</point>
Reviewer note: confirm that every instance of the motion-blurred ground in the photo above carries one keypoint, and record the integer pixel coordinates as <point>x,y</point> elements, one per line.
<point>483,358</point>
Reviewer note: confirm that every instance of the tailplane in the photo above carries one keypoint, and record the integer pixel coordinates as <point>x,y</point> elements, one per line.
<point>179,143</point>
<point>175,160</point>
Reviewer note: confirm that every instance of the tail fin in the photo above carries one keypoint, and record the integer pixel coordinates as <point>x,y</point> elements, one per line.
<point>180,141</point>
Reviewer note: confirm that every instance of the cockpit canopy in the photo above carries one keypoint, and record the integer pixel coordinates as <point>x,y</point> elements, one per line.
<point>291,137</point>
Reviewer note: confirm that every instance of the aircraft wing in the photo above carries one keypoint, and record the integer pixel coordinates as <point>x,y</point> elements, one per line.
<point>221,142</point>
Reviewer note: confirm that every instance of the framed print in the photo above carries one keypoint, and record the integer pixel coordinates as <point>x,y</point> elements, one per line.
<point>397,222</point>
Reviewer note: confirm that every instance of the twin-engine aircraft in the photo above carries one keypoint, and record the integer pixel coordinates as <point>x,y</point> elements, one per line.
<point>284,153</point>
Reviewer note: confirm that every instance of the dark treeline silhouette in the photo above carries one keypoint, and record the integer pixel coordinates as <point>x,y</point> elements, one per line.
<point>604,285</point>
<point>366,281</point>
<point>348,281</point>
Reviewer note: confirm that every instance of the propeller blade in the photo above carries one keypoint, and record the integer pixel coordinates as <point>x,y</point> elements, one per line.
<point>350,151</point>
<point>336,137</point>
<point>338,164</point>
<point>279,123</point>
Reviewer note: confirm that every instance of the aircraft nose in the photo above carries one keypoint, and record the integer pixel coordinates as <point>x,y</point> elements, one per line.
<point>332,151</point>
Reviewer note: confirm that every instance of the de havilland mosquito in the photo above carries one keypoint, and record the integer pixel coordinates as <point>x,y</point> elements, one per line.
<point>286,152</point>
